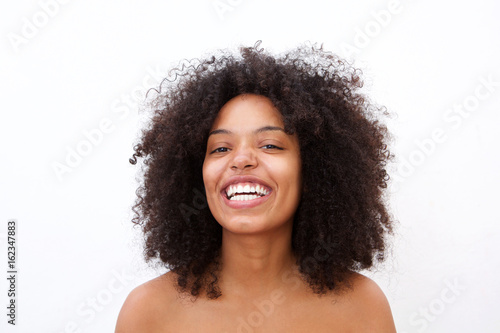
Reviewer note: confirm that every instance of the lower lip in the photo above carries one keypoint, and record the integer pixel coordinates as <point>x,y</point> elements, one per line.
<point>240,204</point>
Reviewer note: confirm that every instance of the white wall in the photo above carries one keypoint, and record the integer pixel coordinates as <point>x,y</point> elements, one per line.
<point>74,69</point>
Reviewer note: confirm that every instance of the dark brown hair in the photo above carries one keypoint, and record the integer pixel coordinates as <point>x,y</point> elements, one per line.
<point>344,153</point>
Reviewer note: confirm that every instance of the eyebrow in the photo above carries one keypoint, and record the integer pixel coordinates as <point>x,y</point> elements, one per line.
<point>259,130</point>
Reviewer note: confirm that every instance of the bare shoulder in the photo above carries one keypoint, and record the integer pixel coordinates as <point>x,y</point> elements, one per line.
<point>145,307</point>
<point>368,306</point>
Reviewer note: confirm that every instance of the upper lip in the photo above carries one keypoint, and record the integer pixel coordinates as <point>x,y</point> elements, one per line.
<point>243,179</point>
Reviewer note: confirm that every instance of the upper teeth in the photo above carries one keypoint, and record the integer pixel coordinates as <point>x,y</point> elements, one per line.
<point>246,189</point>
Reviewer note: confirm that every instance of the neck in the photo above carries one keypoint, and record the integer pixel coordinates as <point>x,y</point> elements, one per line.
<point>254,264</point>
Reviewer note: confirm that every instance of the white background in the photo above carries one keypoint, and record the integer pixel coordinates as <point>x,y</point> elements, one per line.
<point>72,67</point>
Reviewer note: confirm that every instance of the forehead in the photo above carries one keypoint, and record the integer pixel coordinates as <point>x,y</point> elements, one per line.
<point>248,111</point>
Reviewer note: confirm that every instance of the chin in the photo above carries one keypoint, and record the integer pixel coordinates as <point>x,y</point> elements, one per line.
<point>244,225</point>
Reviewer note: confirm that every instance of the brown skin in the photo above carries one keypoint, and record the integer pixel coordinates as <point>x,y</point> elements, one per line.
<point>263,288</point>
<point>156,306</point>
<point>256,240</point>
<point>341,223</point>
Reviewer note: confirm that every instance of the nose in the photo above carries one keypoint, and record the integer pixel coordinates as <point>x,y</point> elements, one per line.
<point>244,158</point>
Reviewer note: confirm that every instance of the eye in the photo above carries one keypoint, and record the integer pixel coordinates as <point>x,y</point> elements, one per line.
<point>219,150</point>
<point>271,147</point>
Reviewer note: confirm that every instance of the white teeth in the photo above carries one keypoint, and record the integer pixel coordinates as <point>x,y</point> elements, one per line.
<point>246,192</point>
<point>245,197</point>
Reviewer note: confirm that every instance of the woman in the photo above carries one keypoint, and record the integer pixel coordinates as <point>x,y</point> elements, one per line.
<point>291,159</point>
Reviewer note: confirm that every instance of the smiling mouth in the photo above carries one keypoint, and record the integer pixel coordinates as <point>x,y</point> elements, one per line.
<point>246,191</point>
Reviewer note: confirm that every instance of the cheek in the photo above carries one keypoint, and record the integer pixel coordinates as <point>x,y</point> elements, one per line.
<point>294,176</point>
<point>211,173</point>
<point>289,169</point>
<point>210,176</point>
<point>209,184</point>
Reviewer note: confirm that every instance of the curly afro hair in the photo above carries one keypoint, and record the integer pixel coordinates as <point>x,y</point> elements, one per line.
<point>343,146</point>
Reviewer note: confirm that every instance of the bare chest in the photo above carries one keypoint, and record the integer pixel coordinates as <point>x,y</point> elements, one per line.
<point>259,317</point>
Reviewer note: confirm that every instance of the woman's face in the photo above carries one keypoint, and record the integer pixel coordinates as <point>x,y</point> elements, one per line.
<point>252,168</point>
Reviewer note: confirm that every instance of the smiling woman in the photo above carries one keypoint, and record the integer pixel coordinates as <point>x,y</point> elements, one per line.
<point>291,158</point>
<point>252,169</point>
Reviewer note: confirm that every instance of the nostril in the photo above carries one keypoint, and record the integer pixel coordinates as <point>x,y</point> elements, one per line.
<point>244,167</point>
